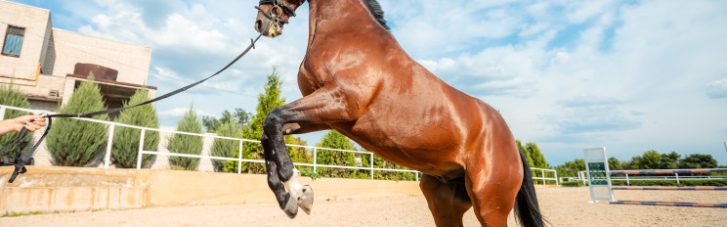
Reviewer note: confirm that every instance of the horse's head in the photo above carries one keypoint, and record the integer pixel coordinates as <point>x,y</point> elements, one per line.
<point>273,14</point>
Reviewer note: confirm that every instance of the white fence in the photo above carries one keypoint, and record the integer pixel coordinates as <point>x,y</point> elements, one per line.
<point>239,159</point>
<point>628,178</point>
<point>543,178</point>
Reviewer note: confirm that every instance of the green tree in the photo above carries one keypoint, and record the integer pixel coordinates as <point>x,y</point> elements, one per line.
<point>698,161</point>
<point>614,164</point>
<point>335,140</point>
<point>225,147</point>
<point>241,118</point>
<point>10,97</point>
<point>72,142</point>
<point>635,162</point>
<point>651,160</point>
<point>186,144</point>
<point>300,154</point>
<point>125,149</point>
<point>525,150</point>
<point>669,161</point>
<point>536,156</point>
<point>571,168</point>
<point>267,101</point>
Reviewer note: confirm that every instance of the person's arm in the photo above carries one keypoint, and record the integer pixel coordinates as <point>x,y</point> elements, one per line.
<point>31,122</point>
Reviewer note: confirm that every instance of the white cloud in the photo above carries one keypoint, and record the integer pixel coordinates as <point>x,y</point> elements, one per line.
<point>717,89</point>
<point>178,112</point>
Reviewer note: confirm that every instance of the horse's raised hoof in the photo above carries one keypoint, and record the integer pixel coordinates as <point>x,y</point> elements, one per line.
<point>305,201</point>
<point>291,208</point>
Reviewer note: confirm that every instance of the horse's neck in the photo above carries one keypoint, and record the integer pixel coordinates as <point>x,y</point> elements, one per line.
<point>327,15</point>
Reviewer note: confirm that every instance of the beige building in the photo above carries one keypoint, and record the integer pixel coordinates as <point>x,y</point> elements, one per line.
<point>48,64</point>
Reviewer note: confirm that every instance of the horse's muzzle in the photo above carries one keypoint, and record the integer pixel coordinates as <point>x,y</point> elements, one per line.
<point>268,28</point>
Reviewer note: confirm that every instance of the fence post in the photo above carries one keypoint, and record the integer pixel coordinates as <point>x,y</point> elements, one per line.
<point>417,175</point>
<point>556,177</point>
<point>107,157</point>
<point>627,180</point>
<point>677,175</point>
<point>239,159</point>
<point>141,149</point>
<point>315,159</point>
<point>2,112</point>
<point>542,173</point>
<point>372,166</point>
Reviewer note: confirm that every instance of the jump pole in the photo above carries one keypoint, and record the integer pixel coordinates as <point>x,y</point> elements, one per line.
<point>662,203</point>
<point>677,204</point>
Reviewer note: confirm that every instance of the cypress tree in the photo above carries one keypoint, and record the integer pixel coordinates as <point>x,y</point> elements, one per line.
<point>10,97</point>
<point>186,144</point>
<point>224,147</point>
<point>73,142</point>
<point>125,147</point>
<point>336,140</point>
<point>267,101</point>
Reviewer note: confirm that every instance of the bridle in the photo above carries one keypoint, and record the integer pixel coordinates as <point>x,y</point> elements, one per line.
<point>276,12</point>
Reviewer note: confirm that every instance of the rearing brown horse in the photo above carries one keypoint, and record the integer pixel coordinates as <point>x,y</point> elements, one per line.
<point>357,80</point>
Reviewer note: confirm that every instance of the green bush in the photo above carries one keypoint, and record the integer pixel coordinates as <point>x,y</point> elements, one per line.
<point>72,142</point>
<point>336,140</point>
<point>10,97</point>
<point>186,144</point>
<point>572,184</point>
<point>125,147</point>
<point>225,147</point>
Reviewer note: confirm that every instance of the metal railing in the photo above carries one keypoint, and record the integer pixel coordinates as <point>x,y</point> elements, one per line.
<point>543,178</point>
<point>629,177</point>
<point>239,159</point>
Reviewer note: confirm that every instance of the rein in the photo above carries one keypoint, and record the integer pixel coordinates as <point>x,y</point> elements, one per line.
<point>20,164</point>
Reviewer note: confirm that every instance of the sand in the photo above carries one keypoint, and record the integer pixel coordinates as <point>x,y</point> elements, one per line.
<point>561,206</point>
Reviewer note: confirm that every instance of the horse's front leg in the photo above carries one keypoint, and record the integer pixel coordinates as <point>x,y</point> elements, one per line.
<point>310,113</point>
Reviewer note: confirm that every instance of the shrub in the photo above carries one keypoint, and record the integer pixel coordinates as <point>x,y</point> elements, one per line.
<point>186,144</point>
<point>226,147</point>
<point>125,147</point>
<point>572,184</point>
<point>10,97</point>
<point>73,142</point>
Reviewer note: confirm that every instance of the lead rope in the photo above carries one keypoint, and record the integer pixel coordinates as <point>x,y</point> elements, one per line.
<point>20,164</point>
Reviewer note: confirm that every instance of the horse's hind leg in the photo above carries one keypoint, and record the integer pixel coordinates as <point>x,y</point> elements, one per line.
<point>493,184</point>
<point>447,201</point>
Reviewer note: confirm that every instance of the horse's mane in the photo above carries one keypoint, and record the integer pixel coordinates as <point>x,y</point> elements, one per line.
<point>376,11</point>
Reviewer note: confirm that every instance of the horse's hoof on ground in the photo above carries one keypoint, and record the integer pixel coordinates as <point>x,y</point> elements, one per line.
<point>305,202</point>
<point>291,209</point>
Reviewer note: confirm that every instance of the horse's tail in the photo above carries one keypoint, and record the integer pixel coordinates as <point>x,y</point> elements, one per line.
<point>527,210</point>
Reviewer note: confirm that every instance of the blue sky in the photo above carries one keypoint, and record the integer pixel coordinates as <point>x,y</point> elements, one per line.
<point>628,75</point>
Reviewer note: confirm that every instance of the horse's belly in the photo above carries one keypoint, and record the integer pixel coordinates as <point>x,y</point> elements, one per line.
<point>413,141</point>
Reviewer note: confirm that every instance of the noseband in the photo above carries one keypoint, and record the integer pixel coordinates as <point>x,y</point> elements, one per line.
<point>276,11</point>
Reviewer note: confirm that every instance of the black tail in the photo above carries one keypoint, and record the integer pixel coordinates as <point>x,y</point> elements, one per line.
<point>527,210</point>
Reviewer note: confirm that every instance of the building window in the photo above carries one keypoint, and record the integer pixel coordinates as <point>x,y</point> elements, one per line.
<point>13,41</point>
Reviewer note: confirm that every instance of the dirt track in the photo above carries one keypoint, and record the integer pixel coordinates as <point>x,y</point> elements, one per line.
<point>562,207</point>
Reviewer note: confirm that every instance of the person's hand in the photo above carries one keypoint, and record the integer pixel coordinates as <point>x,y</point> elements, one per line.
<point>31,122</point>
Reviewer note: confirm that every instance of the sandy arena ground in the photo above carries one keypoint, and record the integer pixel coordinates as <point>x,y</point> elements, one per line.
<point>562,207</point>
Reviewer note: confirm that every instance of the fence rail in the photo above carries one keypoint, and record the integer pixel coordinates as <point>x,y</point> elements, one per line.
<point>239,159</point>
<point>675,177</point>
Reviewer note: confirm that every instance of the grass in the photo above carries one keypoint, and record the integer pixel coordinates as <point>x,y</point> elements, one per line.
<point>19,214</point>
